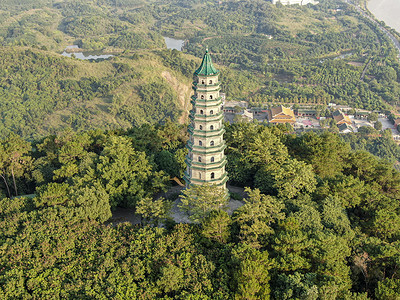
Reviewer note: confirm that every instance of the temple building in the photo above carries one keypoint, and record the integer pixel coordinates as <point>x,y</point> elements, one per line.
<point>281,115</point>
<point>206,159</point>
<point>341,118</point>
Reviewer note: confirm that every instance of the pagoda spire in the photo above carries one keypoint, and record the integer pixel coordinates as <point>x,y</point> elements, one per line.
<point>206,67</point>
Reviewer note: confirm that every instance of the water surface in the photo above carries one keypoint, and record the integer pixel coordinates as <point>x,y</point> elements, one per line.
<point>173,43</point>
<point>85,55</point>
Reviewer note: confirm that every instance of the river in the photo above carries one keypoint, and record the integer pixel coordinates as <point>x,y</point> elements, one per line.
<point>387,11</point>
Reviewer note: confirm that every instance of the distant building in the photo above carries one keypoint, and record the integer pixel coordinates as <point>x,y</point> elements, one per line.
<point>229,109</point>
<point>247,114</point>
<point>363,115</point>
<point>341,118</point>
<point>305,112</point>
<point>291,2</point>
<point>345,128</point>
<point>280,114</point>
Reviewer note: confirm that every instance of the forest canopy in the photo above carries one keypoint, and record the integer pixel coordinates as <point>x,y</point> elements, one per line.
<point>319,219</point>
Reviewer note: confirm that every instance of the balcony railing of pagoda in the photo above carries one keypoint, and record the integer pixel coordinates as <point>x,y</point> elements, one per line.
<point>196,100</point>
<point>205,118</point>
<point>206,167</point>
<point>203,133</point>
<point>222,180</point>
<point>206,150</point>
<point>213,89</point>
<point>195,83</point>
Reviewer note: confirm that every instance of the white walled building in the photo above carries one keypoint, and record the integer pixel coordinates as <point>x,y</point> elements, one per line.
<point>291,2</point>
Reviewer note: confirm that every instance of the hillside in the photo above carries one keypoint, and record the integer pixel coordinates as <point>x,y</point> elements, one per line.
<point>268,54</point>
<point>42,92</point>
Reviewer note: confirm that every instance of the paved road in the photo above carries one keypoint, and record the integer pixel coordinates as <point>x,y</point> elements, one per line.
<point>396,43</point>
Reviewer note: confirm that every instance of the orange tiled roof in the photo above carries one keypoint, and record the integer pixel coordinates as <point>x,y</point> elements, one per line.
<point>281,114</point>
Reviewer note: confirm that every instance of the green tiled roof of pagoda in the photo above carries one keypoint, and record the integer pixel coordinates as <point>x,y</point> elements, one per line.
<point>206,68</point>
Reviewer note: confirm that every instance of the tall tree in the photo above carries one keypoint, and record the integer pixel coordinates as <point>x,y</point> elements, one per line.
<point>199,200</point>
<point>14,160</point>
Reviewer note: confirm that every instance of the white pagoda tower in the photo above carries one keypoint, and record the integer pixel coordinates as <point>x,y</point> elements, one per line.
<point>206,159</point>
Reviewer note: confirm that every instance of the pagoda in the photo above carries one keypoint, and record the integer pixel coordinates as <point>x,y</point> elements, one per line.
<point>206,159</point>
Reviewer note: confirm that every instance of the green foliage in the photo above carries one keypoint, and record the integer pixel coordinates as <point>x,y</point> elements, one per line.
<point>320,234</point>
<point>256,216</point>
<point>123,172</point>
<point>294,54</point>
<point>153,211</point>
<point>378,125</point>
<point>252,275</point>
<point>87,260</point>
<point>215,226</point>
<point>293,178</point>
<point>14,162</point>
<point>372,117</point>
<point>249,148</point>
<point>382,146</point>
<point>43,94</point>
<point>165,102</point>
<point>388,289</point>
<point>325,152</point>
<point>200,200</point>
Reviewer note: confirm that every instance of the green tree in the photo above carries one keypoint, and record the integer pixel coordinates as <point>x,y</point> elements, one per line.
<point>199,200</point>
<point>251,274</point>
<point>153,211</point>
<point>293,178</point>
<point>14,161</point>
<point>166,162</point>
<point>388,289</point>
<point>127,174</point>
<point>378,125</point>
<point>325,152</point>
<point>216,226</point>
<point>372,117</point>
<point>256,216</point>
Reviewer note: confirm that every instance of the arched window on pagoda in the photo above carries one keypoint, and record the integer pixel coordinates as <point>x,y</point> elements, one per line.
<point>212,143</point>
<point>199,175</point>
<point>199,158</point>
<point>202,82</point>
<point>212,159</point>
<point>210,96</point>
<point>212,127</point>
<point>212,175</point>
<point>210,81</point>
<point>202,96</point>
<point>200,143</point>
<point>201,111</point>
<point>211,112</point>
<point>201,127</point>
